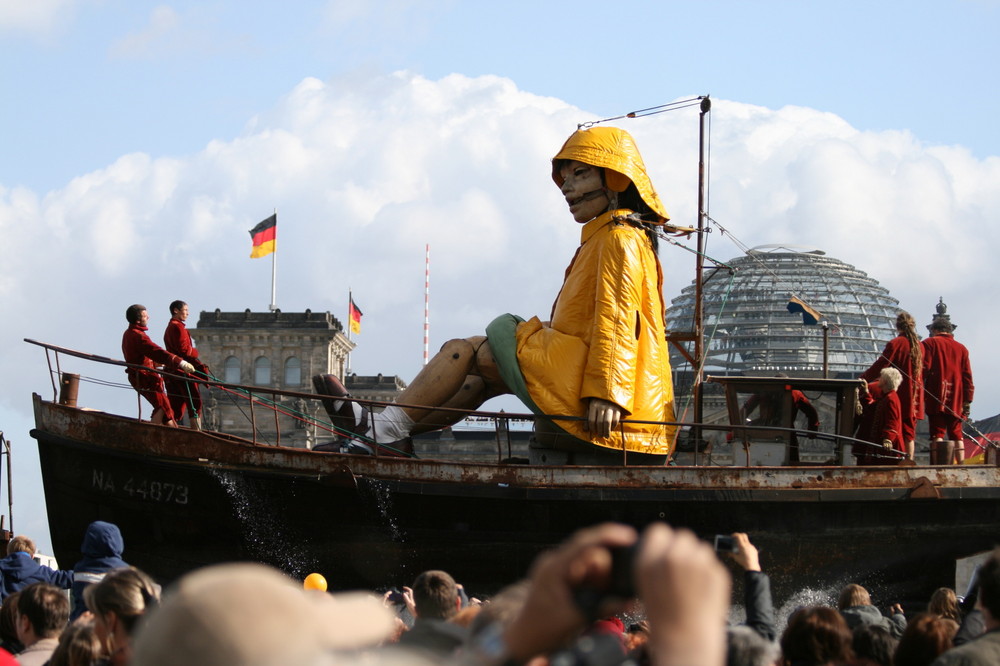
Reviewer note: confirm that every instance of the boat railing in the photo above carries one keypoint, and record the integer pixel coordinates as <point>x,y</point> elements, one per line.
<point>277,403</point>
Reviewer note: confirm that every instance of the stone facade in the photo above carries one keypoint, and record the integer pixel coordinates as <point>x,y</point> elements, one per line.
<point>374,387</point>
<point>269,350</point>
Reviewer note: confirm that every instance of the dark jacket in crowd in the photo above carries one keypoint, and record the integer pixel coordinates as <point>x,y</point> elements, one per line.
<point>982,651</point>
<point>18,570</point>
<point>858,615</point>
<point>760,608</point>
<point>102,552</point>
<point>973,626</point>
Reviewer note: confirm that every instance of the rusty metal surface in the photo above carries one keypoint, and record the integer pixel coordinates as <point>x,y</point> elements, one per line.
<point>185,446</point>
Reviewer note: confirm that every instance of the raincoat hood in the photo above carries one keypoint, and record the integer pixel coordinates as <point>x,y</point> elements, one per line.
<point>102,540</point>
<point>614,150</point>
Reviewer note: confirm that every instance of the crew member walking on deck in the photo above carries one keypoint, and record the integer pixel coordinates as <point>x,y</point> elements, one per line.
<point>948,382</point>
<point>905,353</point>
<point>182,393</point>
<point>139,350</point>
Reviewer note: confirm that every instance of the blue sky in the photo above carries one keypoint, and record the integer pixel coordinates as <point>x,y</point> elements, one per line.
<point>105,78</point>
<point>140,141</point>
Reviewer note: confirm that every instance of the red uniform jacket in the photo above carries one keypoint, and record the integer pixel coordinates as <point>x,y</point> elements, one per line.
<point>947,375</point>
<point>911,391</point>
<point>177,340</point>
<point>140,350</point>
<point>881,420</point>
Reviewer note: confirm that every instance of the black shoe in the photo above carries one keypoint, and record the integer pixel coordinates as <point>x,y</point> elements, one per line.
<point>342,419</point>
<point>400,449</point>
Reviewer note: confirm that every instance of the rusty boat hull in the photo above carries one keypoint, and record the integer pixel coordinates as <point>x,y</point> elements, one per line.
<point>187,498</point>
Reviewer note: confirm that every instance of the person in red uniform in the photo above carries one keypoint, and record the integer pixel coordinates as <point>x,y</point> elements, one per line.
<point>882,420</point>
<point>139,350</point>
<point>905,353</point>
<point>769,406</point>
<point>181,393</point>
<point>948,382</point>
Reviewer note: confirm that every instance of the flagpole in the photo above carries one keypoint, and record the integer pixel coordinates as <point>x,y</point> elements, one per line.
<point>427,301</point>
<point>350,301</point>
<point>274,268</point>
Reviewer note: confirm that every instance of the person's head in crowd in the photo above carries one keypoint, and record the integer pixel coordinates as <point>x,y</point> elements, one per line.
<point>989,590</point>
<point>873,645</point>
<point>944,602</point>
<point>253,615</point>
<point>42,612</point>
<point>745,647</point>
<point>853,595</point>
<point>21,544</point>
<point>118,602</point>
<point>78,646</point>
<point>816,635</point>
<point>8,624</point>
<point>926,636</point>
<point>435,595</point>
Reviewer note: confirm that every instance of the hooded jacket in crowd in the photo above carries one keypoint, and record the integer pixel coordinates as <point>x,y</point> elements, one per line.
<point>18,570</point>
<point>102,550</point>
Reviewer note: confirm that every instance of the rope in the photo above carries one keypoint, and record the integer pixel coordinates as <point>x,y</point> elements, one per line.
<point>651,111</point>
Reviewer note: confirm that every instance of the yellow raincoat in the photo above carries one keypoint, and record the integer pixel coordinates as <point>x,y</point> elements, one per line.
<point>606,338</point>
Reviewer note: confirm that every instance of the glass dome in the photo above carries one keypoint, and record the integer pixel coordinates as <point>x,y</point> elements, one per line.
<point>749,330</point>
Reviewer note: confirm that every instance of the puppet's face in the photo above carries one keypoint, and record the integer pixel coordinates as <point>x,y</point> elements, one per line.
<point>584,190</point>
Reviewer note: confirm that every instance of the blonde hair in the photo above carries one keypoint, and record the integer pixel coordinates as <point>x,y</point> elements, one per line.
<point>21,544</point>
<point>78,646</point>
<point>128,593</point>
<point>945,603</point>
<point>907,327</point>
<point>853,595</point>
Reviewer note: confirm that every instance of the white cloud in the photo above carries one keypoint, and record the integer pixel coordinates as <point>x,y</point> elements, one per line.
<point>161,31</point>
<point>36,17</point>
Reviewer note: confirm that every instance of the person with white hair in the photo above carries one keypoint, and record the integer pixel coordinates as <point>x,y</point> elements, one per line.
<point>883,421</point>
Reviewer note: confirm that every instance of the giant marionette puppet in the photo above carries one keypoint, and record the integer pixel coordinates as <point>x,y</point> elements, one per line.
<point>603,355</point>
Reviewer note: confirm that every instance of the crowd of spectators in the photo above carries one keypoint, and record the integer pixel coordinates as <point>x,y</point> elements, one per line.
<point>574,608</point>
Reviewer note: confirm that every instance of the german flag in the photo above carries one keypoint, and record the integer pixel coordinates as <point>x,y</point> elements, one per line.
<point>263,236</point>
<point>354,316</point>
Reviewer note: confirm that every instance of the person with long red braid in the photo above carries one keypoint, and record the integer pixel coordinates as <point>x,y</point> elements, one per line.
<point>905,353</point>
<point>139,350</point>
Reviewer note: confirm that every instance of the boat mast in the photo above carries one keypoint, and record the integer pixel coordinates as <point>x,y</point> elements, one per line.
<point>699,328</point>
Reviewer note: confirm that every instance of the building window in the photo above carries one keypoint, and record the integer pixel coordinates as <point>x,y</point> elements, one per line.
<point>232,366</point>
<point>293,371</point>
<point>262,371</point>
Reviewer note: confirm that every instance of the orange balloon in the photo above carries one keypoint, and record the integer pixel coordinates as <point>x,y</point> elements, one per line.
<point>314,581</point>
